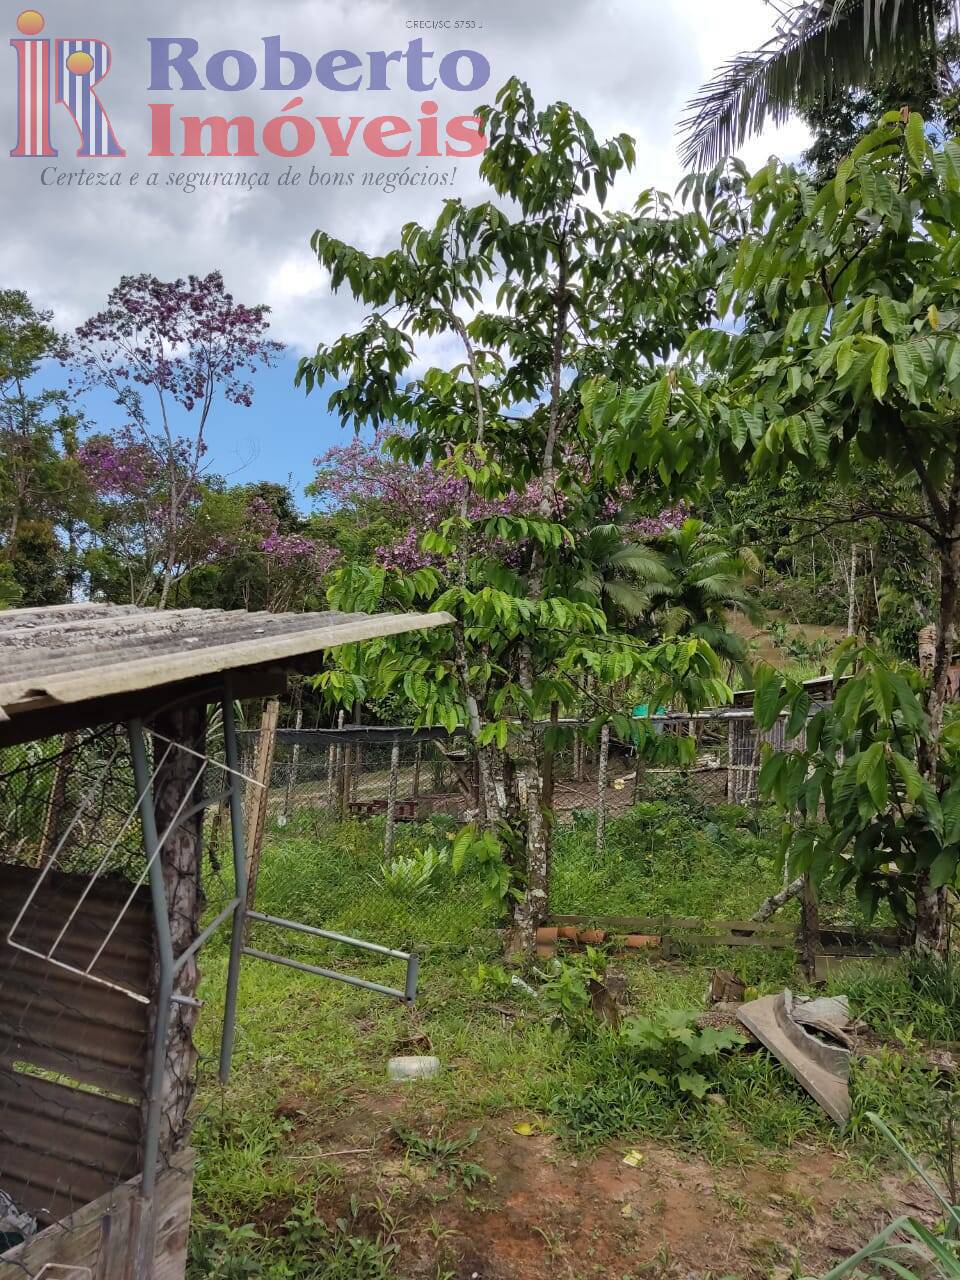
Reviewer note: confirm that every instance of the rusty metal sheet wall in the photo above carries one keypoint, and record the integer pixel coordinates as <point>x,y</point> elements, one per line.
<point>65,1143</point>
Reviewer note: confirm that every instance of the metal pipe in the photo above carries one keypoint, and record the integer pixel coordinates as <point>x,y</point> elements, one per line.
<point>325,933</point>
<point>327,973</point>
<point>413,973</point>
<point>204,934</point>
<point>161,919</point>
<point>238,841</point>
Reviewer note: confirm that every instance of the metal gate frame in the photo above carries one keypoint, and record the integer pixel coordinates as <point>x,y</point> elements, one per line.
<point>235,910</point>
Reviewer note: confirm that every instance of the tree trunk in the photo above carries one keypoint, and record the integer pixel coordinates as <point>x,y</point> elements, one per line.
<point>770,906</point>
<point>532,907</point>
<point>932,925</point>
<point>809,926</point>
<point>180,858</point>
<point>390,828</point>
<point>852,593</point>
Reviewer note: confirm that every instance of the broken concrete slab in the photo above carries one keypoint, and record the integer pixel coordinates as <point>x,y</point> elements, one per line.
<point>829,1014</point>
<point>822,1069</point>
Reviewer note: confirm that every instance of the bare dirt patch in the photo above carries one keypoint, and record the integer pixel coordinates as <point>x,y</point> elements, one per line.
<point>548,1212</point>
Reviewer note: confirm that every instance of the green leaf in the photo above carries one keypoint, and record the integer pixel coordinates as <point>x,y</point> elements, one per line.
<point>880,371</point>
<point>910,774</point>
<point>943,869</point>
<point>767,699</point>
<point>916,141</point>
<point>693,1082</point>
<point>844,170</point>
<point>872,770</point>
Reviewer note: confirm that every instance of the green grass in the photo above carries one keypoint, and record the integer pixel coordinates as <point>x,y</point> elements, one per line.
<point>310,1064</point>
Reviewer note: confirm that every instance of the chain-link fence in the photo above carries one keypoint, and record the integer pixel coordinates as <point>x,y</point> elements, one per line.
<point>350,772</point>
<point>358,823</point>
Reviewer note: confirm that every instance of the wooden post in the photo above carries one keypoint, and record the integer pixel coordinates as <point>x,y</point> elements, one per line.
<point>417,759</point>
<point>257,795</point>
<point>550,756</point>
<point>356,757</point>
<point>333,767</point>
<point>345,782</point>
<point>731,785</point>
<point>392,799</point>
<point>602,788</point>
<point>180,856</point>
<point>294,762</point>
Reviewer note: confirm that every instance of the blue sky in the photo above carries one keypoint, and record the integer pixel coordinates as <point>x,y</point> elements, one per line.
<point>277,439</point>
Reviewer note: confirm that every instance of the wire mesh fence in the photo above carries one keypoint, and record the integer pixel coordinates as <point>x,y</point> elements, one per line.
<point>349,773</point>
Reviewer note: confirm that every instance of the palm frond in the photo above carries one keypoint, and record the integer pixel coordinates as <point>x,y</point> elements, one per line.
<point>647,564</point>
<point>632,601</point>
<point>820,48</point>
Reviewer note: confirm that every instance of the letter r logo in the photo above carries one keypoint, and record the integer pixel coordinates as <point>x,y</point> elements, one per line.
<point>79,65</point>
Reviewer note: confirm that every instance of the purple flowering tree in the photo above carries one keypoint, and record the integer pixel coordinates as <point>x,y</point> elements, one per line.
<point>166,350</point>
<point>294,565</point>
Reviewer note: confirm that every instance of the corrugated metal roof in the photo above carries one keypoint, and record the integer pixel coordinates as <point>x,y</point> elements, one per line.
<point>64,1142</point>
<point>75,653</point>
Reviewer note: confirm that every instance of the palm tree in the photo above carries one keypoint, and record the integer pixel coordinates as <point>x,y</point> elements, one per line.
<point>819,49</point>
<point>707,579</point>
<point>617,573</point>
<point>682,582</point>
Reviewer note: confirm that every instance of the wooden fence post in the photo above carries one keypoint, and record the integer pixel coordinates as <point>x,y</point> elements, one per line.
<point>392,799</point>
<point>257,795</point>
<point>602,788</point>
<point>333,767</point>
<point>294,762</point>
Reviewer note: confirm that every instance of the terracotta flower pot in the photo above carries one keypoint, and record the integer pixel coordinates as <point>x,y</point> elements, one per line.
<point>592,937</point>
<point>638,941</point>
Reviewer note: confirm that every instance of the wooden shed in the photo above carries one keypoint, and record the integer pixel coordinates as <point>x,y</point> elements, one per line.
<point>98,971</point>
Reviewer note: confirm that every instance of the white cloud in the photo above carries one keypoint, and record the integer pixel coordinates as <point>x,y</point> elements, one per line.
<point>628,64</point>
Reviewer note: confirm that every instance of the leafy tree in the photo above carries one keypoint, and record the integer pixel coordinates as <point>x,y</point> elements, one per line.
<point>41,488</point>
<point>888,828</point>
<point>264,554</point>
<point>165,350</point>
<point>820,49</point>
<point>845,353</point>
<point>578,293</point>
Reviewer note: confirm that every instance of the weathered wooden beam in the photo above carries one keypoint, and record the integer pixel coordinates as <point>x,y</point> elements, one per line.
<point>56,717</point>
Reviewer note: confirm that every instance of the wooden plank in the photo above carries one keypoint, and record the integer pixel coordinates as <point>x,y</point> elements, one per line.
<point>257,796</point>
<point>132,672</point>
<point>730,940</point>
<point>99,1235</point>
<point>45,717</point>
<point>657,924</point>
